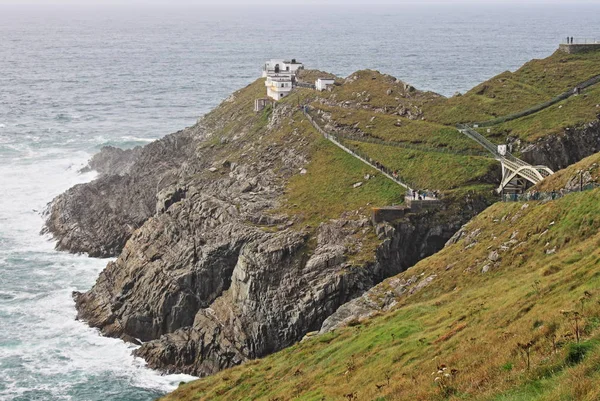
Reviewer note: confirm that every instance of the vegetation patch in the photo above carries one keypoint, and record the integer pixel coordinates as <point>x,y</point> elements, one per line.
<point>395,355</point>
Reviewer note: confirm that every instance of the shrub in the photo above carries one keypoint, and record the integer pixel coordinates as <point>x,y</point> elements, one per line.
<point>577,352</point>
<point>507,366</point>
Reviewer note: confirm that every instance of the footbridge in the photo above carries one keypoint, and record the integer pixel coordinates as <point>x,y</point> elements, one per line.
<point>515,172</point>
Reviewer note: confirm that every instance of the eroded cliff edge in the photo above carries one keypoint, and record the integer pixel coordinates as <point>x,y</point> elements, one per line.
<point>223,253</point>
<point>239,235</point>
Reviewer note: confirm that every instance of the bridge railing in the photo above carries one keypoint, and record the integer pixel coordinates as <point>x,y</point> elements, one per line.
<point>483,141</point>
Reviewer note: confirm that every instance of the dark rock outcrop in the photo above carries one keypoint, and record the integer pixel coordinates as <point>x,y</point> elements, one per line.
<point>560,151</point>
<point>97,218</point>
<point>210,272</point>
<point>113,161</point>
<point>280,290</point>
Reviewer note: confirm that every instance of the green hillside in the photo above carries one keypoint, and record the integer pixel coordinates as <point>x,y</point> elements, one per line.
<point>538,296</point>
<point>509,311</point>
<point>535,82</point>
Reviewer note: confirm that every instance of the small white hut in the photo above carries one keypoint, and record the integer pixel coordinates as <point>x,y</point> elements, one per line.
<point>322,84</point>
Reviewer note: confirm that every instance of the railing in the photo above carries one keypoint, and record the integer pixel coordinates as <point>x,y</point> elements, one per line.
<point>546,196</point>
<point>483,141</point>
<point>581,41</point>
<point>353,150</point>
<point>574,91</point>
<point>404,145</point>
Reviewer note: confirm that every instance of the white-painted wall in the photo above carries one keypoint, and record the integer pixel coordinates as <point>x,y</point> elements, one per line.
<point>322,83</point>
<point>280,84</point>
<point>284,66</point>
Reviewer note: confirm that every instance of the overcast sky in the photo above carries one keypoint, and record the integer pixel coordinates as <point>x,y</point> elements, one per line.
<point>215,3</point>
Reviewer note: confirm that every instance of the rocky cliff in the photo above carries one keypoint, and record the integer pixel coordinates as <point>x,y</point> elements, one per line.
<point>279,289</point>
<point>217,261</point>
<point>560,151</point>
<point>99,217</point>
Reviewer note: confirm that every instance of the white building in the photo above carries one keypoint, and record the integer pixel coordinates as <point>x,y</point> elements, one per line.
<point>279,85</point>
<point>276,66</point>
<point>281,77</point>
<point>323,83</point>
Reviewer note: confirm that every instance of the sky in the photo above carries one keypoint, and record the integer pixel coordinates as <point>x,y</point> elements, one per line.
<point>213,3</point>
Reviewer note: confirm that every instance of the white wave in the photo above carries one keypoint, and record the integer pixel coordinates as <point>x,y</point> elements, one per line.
<point>137,139</point>
<point>47,344</point>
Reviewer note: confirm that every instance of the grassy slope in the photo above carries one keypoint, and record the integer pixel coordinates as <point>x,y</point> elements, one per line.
<point>326,190</point>
<point>465,319</point>
<point>414,132</point>
<point>561,178</point>
<point>572,112</point>
<point>431,170</point>
<point>536,82</point>
<point>367,100</point>
<point>361,103</point>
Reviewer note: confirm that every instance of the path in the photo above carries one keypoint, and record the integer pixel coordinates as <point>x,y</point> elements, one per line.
<point>363,158</point>
<point>513,168</point>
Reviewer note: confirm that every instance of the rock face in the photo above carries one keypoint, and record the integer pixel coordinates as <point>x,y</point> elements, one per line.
<point>209,273</point>
<point>98,218</point>
<point>278,291</point>
<point>560,151</point>
<point>113,161</point>
<point>420,236</point>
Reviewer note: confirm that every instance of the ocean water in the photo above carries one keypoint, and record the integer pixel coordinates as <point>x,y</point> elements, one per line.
<point>73,79</point>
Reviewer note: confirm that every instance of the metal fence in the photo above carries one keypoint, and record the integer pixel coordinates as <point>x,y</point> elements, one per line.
<point>354,150</point>
<point>581,41</point>
<point>592,81</point>
<point>546,196</point>
<point>403,145</point>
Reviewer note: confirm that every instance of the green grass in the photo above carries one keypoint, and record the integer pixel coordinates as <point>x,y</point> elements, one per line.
<point>510,92</point>
<point>373,90</point>
<point>572,112</point>
<point>412,132</point>
<point>326,190</point>
<point>432,170</point>
<point>464,319</point>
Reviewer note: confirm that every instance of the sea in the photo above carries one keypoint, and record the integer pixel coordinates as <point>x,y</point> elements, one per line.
<point>74,78</point>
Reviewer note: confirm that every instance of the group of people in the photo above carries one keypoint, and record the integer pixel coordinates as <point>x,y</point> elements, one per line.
<point>422,195</point>
<point>569,40</point>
